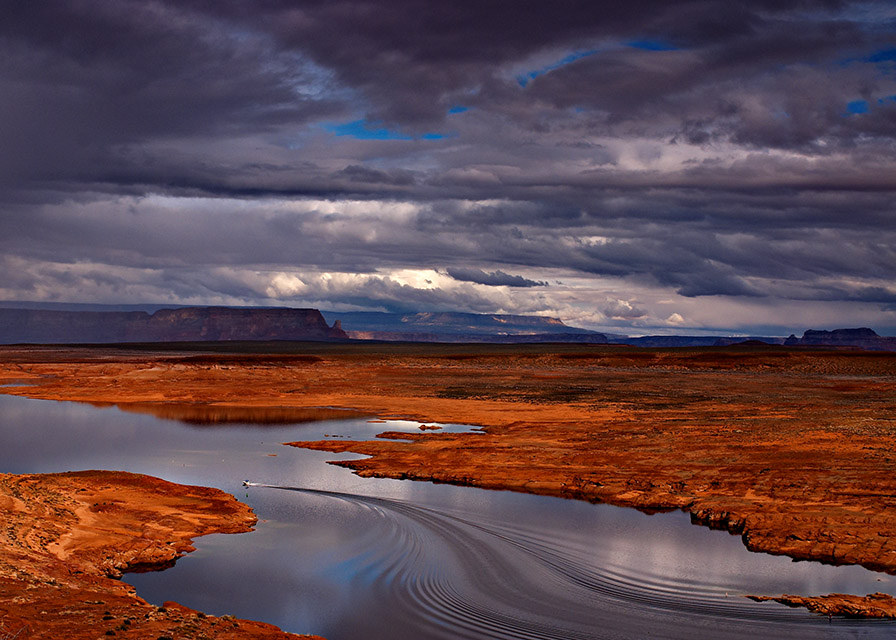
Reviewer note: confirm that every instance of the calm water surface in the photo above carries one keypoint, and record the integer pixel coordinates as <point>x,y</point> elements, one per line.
<point>349,558</point>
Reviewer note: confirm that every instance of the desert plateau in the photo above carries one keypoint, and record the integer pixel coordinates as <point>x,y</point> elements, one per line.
<point>789,448</point>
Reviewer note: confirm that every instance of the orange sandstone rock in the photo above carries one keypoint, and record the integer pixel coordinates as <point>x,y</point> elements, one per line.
<point>792,449</point>
<point>67,536</point>
<point>874,605</point>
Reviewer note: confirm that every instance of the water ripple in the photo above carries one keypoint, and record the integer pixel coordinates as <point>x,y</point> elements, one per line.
<point>454,575</point>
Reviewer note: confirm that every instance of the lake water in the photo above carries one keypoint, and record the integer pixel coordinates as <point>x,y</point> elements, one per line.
<point>353,558</point>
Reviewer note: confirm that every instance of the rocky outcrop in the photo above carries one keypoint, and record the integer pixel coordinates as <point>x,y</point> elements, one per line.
<point>186,324</point>
<point>68,537</point>
<point>874,605</point>
<point>862,338</point>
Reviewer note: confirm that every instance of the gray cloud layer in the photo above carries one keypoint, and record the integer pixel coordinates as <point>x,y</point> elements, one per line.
<point>584,158</point>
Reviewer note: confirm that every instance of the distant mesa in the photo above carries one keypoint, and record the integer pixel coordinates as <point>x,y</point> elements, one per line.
<point>81,324</point>
<point>676,342</point>
<point>463,338</point>
<point>186,324</point>
<point>862,338</point>
<point>457,327</point>
<point>193,324</point>
<point>750,342</point>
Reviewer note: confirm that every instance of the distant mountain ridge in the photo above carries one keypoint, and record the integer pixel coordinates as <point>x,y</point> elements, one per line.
<point>667,342</point>
<point>461,338</point>
<point>863,338</point>
<point>451,326</point>
<point>185,324</point>
<point>63,323</point>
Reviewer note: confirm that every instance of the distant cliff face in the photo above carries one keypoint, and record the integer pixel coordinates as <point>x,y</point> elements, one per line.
<point>863,338</point>
<point>491,338</point>
<point>840,336</point>
<point>473,322</point>
<point>165,325</point>
<point>225,323</point>
<point>456,327</point>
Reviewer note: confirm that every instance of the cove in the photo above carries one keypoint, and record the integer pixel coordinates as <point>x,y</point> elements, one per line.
<point>347,557</point>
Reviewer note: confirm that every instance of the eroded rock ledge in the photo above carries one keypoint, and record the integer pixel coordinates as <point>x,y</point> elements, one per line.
<point>67,537</point>
<point>874,605</point>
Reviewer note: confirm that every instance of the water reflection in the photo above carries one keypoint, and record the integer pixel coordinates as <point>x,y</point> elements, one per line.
<point>348,557</point>
<point>202,414</point>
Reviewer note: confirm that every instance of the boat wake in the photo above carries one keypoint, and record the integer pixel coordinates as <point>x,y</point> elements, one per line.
<point>452,575</point>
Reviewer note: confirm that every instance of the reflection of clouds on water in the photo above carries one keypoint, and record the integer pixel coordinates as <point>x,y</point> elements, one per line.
<point>444,573</point>
<point>394,558</point>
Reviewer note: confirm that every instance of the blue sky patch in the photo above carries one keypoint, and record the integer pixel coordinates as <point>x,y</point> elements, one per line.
<point>857,107</point>
<point>885,60</point>
<point>458,109</point>
<point>526,78</point>
<point>364,130</point>
<point>651,45</point>
<point>885,55</point>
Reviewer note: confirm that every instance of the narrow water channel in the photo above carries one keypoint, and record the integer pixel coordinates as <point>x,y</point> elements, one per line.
<point>353,558</point>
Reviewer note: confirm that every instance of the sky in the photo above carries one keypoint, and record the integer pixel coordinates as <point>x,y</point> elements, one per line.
<point>635,167</point>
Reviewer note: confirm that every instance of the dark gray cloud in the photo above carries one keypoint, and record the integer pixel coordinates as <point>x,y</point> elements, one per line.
<point>492,278</point>
<point>703,152</point>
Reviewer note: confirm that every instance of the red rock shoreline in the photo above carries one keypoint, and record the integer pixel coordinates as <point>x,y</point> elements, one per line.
<point>874,605</point>
<point>792,449</point>
<point>69,536</point>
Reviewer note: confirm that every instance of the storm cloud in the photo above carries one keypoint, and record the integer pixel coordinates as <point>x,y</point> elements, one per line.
<point>494,278</point>
<point>699,164</point>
